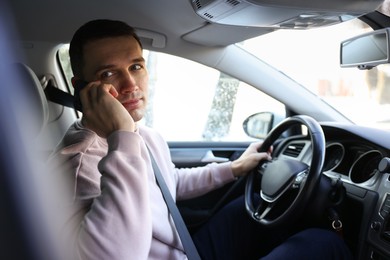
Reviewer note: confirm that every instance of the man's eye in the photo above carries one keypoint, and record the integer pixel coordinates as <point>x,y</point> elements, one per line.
<point>136,67</point>
<point>106,74</point>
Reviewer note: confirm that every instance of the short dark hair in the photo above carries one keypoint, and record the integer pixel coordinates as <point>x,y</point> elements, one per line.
<point>95,30</point>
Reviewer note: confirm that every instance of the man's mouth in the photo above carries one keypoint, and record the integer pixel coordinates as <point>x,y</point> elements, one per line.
<point>132,103</point>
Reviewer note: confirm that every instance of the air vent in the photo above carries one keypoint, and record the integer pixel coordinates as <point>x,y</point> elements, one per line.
<point>198,4</point>
<point>293,150</point>
<point>233,2</point>
<point>207,15</point>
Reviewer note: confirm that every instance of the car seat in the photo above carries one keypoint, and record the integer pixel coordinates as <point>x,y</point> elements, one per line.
<point>38,99</point>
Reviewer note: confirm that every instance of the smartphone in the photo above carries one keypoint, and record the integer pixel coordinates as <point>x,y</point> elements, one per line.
<point>78,86</point>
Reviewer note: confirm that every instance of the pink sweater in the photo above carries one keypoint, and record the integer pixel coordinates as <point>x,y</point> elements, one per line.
<point>118,211</point>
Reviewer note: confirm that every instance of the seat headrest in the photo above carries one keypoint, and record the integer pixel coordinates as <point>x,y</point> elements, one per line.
<point>38,99</point>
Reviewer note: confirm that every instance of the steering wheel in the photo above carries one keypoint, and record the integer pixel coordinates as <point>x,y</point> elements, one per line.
<point>286,183</point>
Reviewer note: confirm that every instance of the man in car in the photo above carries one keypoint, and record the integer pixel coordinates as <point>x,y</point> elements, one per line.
<point>118,211</point>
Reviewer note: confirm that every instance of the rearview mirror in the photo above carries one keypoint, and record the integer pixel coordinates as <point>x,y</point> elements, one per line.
<point>366,51</point>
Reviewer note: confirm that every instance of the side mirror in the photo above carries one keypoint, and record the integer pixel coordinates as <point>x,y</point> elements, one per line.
<point>366,51</point>
<point>260,124</point>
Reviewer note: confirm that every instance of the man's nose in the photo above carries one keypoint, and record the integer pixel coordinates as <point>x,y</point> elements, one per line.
<point>128,84</point>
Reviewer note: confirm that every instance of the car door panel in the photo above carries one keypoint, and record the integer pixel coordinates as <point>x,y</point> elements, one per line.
<point>193,154</point>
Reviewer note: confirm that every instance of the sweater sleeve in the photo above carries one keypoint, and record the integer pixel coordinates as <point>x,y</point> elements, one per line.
<point>193,182</point>
<point>114,223</point>
<point>186,183</point>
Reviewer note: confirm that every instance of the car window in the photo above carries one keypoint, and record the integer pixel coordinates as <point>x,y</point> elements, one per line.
<point>192,102</point>
<point>312,58</point>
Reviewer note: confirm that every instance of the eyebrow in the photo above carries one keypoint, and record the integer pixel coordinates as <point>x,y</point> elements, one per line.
<point>108,66</point>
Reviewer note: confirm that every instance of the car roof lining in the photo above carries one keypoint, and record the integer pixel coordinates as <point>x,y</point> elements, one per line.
<point>206,35</point>
<point>177,21</point>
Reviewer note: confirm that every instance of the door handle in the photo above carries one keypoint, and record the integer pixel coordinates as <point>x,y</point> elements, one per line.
<point>209,157</point>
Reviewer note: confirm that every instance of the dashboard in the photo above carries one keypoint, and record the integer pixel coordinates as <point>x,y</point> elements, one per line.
<point>360,158</point>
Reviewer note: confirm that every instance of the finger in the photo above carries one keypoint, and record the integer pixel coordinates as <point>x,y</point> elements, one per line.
<point>264,156</point>
<point>88,94</point>
<point>254,146</point>
<point>113,91</point>
<point>107,89</point>
<point>93,94</point>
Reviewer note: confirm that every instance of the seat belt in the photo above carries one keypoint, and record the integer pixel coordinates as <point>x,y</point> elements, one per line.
<point>59,96</point>
<point>186,239</point>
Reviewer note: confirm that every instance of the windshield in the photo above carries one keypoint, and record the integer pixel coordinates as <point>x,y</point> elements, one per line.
<point>311,57</point>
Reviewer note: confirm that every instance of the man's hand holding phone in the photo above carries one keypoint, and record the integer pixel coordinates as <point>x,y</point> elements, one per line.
<point>102,112</point>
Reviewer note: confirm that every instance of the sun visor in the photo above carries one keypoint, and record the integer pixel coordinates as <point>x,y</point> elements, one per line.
<point>299,14</point>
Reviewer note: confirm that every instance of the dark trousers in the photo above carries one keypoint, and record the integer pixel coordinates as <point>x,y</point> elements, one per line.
<point>232,234</point>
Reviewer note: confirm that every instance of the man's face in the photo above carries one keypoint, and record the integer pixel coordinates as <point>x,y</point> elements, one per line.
<point>118,61</point>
